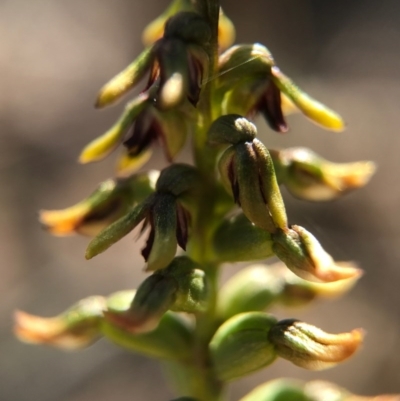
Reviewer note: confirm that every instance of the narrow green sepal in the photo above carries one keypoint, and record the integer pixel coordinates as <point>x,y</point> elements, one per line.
<point>241,345</point>
<point>269,185</point>
<point>126,79</point>
<point>237,239</point>
<point>117,230</point>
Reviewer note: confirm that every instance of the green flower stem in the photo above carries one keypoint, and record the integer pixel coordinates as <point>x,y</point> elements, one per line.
<point>198,378</point>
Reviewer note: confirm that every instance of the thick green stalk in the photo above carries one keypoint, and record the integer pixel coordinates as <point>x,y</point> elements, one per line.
<point>203,382</point>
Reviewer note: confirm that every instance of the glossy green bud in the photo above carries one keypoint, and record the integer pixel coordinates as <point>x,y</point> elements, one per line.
<point>105,144</point>
<point>237,239</point>
<point>311,348</point>
<point>172,339</point>
<point>252,289</point>
<point>231,129</point>
<point>111,200</point>
<point>308,176</point>
<point>241,345</point>
<point>76,328</point>
<point>279,390</point>
<point>125,80</point>
<point>180,287</point>
<point>305,257</point>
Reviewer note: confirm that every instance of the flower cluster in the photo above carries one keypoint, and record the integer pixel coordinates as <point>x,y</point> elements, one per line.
<point>226,207</point>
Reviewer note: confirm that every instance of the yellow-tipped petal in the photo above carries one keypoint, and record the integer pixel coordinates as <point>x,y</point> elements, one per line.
<point>226,31</point>
<point>347,176</point>
<point>127,164</point>
<point>103,145</point>
<point>310,107</point>
<point>311,348</point>
<point>155,30</point>
<point>125,80</point>
<point>64,222</point>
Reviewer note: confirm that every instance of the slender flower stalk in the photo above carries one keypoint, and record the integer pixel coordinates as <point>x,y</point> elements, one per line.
<point>225,207</point>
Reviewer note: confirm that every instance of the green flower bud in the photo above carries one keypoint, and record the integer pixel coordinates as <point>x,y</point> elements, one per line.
<point>231,129</point>
<point>172,339</point>
<point>180,287</point>
<point>252,289</point>
<point>76,328</point>
<point>311,348</point>
<point>109,202</point>
<point>105,144</point>
<point>241,345</point>
<point>305,257</point>
<point>308,176</point>
<point>125,80</point>
<point>247,171</point>
<point>155,30</point>
<point>279,390</point>
<point>237,239</point>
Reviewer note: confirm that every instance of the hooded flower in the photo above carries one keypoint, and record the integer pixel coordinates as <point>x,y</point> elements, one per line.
<point>162,212</point>
<point>111,200</point>
<point>251,83</point>
<point>177,64</point>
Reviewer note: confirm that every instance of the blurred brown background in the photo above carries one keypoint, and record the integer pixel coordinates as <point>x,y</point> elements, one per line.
<point>55,54</point>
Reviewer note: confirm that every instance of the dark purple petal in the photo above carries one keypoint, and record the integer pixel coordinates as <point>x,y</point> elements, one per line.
<point>182,226</point>
<point>145,131</point>
<point>234,183</point>
<point>270,107</point>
